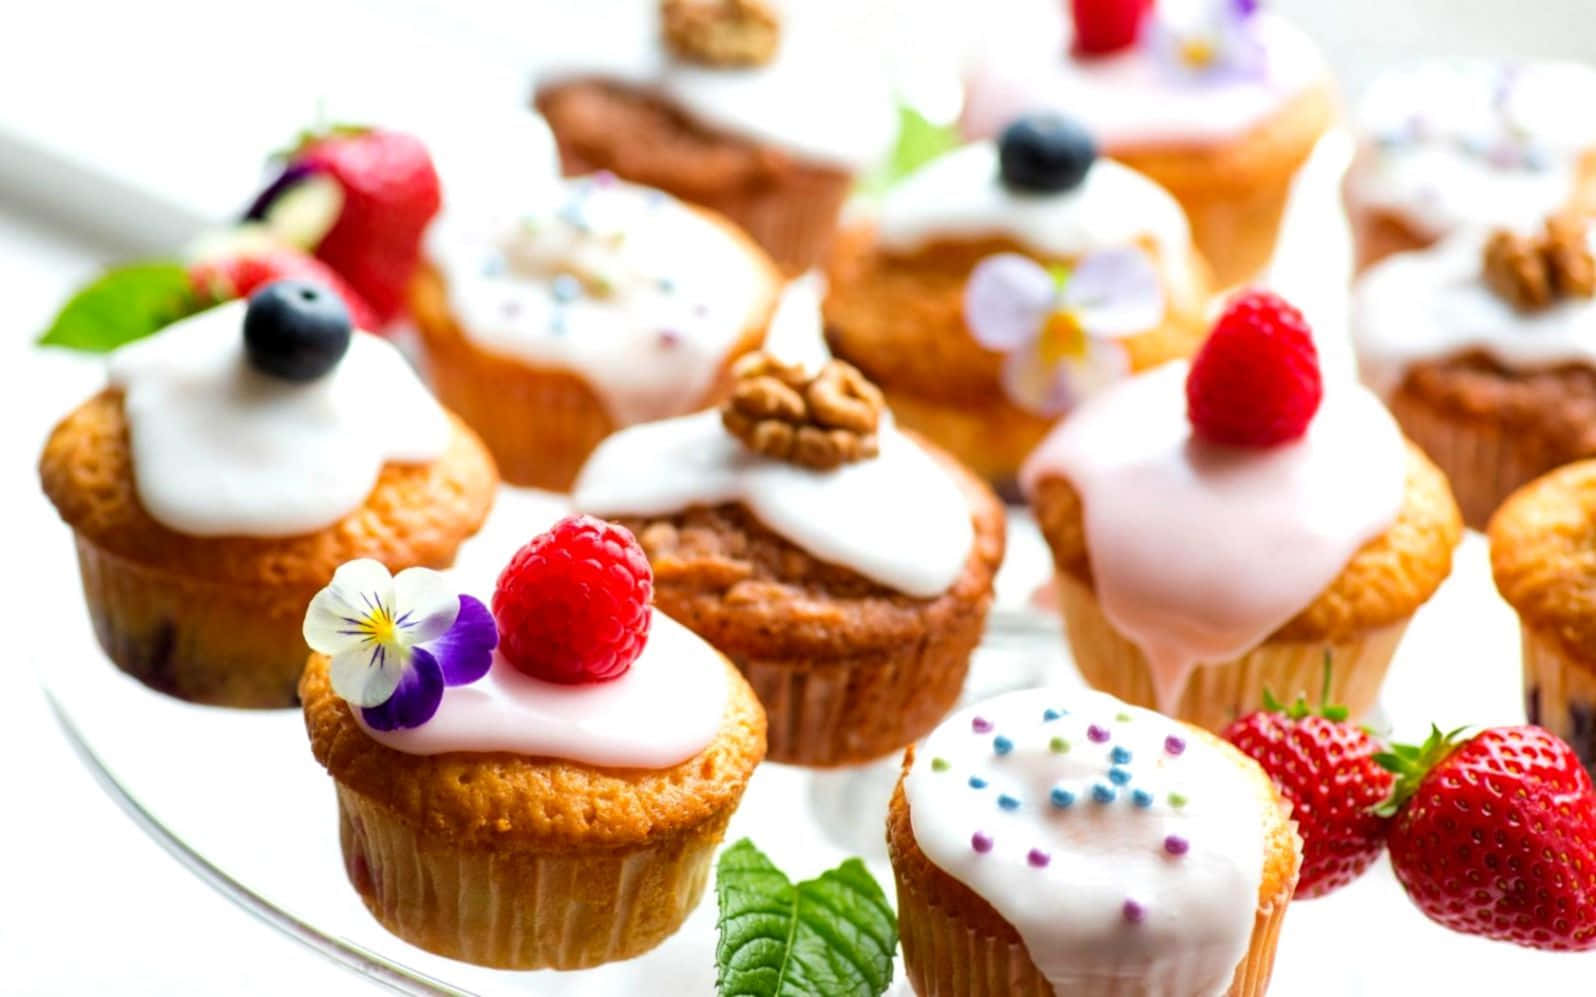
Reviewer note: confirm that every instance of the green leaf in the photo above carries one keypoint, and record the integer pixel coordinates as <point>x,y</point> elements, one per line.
<point>832,936</point>
<point>920,140</point>
<point>123,304</point>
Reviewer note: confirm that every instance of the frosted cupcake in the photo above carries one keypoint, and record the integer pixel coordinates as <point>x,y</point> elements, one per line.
<point>1005,281</point>
<point>1218,101</point>
<point>594,306</point>
<point>234,461</point>
<point>1224,526</point>
<point>1445,146</point>
<point>1060,842</point>
<point>552,803</point>
<point>1484,347</point>
<point>763,112</point>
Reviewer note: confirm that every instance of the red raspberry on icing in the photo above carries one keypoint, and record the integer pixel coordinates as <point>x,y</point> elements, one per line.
<point>1255,382</point>
<point>1105,26</point>
<point>574,604</point>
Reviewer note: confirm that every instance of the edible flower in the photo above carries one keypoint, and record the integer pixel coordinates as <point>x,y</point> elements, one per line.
<point>1061,328</point>
<point>1208,39</point>
<point>395,642</point>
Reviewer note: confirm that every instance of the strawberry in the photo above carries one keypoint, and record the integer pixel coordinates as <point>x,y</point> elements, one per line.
<point>238,274</point>
<point>1106,26</point>
<point>1496,835</point>
<point>1326,768</point>
<point>1255,382</point>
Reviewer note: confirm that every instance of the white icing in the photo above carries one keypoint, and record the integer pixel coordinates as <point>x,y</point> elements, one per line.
<point>220,449</point>
<point>663,294</point>
<point>1199,551</point>
<point>1129,100</point>
<point>1434,304</point>
<point>796,335</point>
<point>822,96</point>
<point>1198,907</point>
<point>662,711</point>
<point>898,519</point>
<point>1430,132</point>
<point>494,163</point>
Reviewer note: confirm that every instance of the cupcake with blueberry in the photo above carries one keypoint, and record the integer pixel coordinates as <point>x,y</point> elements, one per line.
<point>1005,281</point>
<point>1217,100</point>
<point>536,786</point>
<point>235,459</point>
<point>1061,842</point>
<point>1231,524</point>
<point>761,111</point>
<point>1445,146</point>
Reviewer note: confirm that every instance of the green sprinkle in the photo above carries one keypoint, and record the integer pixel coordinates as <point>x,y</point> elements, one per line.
<point>1058,746</point>
<point>940,765</point>
<point>1123,718</point>
<point>1177,800</point>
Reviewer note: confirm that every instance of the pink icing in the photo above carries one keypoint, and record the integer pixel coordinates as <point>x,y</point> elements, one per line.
<point>664,710</point>
<point>1199,551</point>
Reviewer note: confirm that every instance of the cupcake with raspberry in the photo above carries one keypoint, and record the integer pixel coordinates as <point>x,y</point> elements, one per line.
<point>592,307</point>
<point>234,461</point>
<point>1484,347</point>
<point>1004,281</point>
<point>541,786</point>
<point>843,565</point>
<point>1052,841</point>
<point>1452,145</point>
<point>1217,100</point>
<point>762,112</point>
<point>1227,525</point>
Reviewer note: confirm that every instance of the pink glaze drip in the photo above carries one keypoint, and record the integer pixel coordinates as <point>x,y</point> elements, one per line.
<point>1200,551</point>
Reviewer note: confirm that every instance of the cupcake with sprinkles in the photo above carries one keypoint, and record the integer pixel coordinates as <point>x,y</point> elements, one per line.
<point>1223,526</point>
<point>1062,842</point>
<point>539,784</point>
<point>236,458</point>
<point>592,305</point>
<point>1003,282</point>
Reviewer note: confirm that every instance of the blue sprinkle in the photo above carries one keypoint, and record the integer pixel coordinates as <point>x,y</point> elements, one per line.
<point>557,324</point>
<point>976,782</point>
<point>1102,793</point>
<point>571,214</point>
<point>1050,714</point>
<point>566,288</point>
<point>1008,802</point>
<point>1002,745</point>
<point>1119,776</point>
<point>1061,798</point>
<point>1141,797</point>
<point>1121,755</point>
<point>666,285</point>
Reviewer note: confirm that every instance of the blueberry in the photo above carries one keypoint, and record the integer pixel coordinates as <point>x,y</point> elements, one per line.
<point>296,330</point>
<point>1046,153</point>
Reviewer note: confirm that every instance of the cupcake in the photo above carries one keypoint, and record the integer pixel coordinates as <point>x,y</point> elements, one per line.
<point>1218,101</point>
<point>1484,346</point>
<point>1004,281</point>
<point>1226,526</point>
<point>1062,842</point>
<point>1444,146</point>
<point>842,564</point>
<point>599,305</point>
<point>1541,558</point>
<point>234,461</point>
<point>761,112</point>
<point>537,787</point>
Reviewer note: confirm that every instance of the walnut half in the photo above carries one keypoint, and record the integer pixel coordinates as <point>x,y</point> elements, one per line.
<point>721,32</point>
<point>1532,272</point>
<point>820,422</point>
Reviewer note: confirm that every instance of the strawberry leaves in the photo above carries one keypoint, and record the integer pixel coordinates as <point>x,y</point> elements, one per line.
<point>124,304</point>
<point>1410,763</point>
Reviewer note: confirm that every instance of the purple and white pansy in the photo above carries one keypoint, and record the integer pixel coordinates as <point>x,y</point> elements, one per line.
<point>1209,40</point>
<point>1060,329</point>
<point>395,641</point>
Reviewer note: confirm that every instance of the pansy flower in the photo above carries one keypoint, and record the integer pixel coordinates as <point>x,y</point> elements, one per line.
<point>396,641</point>
<point>1061,329</point>
<point>1207,39</point>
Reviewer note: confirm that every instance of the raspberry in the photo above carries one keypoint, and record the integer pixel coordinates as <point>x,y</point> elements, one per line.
<point>1106,26</point>
<point>1255,382</point>
<point>574,604</point>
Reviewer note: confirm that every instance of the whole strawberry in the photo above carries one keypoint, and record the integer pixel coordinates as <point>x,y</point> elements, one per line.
<point>1326,768</point>
<point>1496,836</point>
<point>239,274</point>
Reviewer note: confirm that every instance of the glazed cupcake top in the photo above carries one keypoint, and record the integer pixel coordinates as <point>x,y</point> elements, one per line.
<point>640,294</point>
<point>1467,294</point>
<point>1198,72</point>
<point>1109,836</point>
<point>269,417</point>
<point>1451,144</point>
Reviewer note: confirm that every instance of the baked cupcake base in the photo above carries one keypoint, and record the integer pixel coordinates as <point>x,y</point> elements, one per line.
<point>1560,693</point>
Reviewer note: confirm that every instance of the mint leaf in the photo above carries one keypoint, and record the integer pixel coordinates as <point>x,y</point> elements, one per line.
<point>123,304</point>
<point>833,935</point>
<point>919,141</point>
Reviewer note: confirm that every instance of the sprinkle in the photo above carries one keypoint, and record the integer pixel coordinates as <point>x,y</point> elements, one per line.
<point>1176,800</point>
<point>666,285</point>
<point>1142,798</point>
<point>669,338</point>
<point>1097,734</point>
<point>1002,745</point>
<point>981,725</point>
<point>1061,798</point>
<point>1174,745</point>
<point>1058,746</point>
<point>1176,845</point>
<point>1133,911</point>
<point>1102,793</point>
<point>1038,858</point>
<point>1119,776</point>
<point>654,198</point>
<point>1008,802</point>
<point>700,310</point>
<point>940,765</point>
<point>557,324</point>
<point>566,288</point>
<point>1050,714</point>
<point>493,266</point>
<point>571,214</point>
<point>976,782</point>
<point>1121,755</point>
<point>1123,718</point>
<point>603,178</point>
<point>512,308</point>
<point>982,843</point>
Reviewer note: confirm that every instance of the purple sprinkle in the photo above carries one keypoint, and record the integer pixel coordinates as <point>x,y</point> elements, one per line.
<point>1038,858</point>
<point>603,178</point>
<point>981,725</point>
<point>700,310</point>
<point>980,842</point>
<point>512,308</point>
<point>1134,912</point>
<point>669,338</point>
<point>1097,734</point>
<point>1174,745</point>
<point>1176,845</point>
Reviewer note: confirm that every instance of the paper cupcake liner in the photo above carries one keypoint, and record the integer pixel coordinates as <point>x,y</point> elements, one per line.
<point>1217,694</point>
<point>1560,693</point>
<point>522,909</point>
<point>206,642</point>
<point>794,218</point>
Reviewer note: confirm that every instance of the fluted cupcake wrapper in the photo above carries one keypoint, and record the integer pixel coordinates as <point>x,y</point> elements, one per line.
<point>794,218</point>
<point>1560,693</point>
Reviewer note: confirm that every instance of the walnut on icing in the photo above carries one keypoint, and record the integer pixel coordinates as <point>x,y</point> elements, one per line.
<point>818,421</point>
<point>1534,271</point>
<point>721,32</point>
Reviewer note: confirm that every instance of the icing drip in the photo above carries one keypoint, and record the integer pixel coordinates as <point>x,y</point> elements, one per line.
<point>1119,850</point>
<point>1258,534</point>
<point>898,518</point>
<point>1435,304</point>
<point>664,710</point>
<point>636,292</point>
<point>220,449</point>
